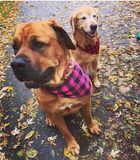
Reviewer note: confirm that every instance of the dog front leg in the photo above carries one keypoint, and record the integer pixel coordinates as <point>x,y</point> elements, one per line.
<point>72,145</point>
<point>94,77</point>
<point>93,127</point>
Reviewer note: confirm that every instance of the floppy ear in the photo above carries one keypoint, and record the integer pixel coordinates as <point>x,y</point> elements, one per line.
<point>61,34</point>
<point>73,21</point>
<point>17,26</point>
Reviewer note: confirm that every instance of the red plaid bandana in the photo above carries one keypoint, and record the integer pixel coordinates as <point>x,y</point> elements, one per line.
<point>91,49</point>
<point>77,85</point>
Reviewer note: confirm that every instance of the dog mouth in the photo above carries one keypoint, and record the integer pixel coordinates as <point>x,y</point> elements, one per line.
<point>44,78</point>
<point>32,84</point>
<point>90,35</point>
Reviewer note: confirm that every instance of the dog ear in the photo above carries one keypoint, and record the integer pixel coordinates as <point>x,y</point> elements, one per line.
<point>61,34</point>
<point>18,25</point>
<point>73,21</point>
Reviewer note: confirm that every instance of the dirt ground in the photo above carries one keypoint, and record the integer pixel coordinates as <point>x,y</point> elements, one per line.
<point>115,106</point>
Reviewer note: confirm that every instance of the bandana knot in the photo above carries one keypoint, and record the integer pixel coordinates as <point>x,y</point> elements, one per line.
<point>91,49</point>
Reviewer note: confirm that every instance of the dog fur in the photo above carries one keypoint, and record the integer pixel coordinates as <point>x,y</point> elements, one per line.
<point>81,21</point>
<point>41,59</point>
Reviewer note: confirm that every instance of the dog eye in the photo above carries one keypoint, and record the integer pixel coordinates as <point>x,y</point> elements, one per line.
<point>39,44</point>
<point>94,16</point>
<point>83,18</point>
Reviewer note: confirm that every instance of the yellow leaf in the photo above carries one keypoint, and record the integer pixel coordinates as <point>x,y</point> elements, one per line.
<point>112,78</point>
<point>9,88</point>
<point>6,124</point>
<point>125,18</point>
<point>132,32</point>
<point>87,134</point>
<point>37,135</point>
<point>52,142</point>
<point>98,101</point>
<point>115,107</point>
<point>66,152</point>
<point>19,124</point>
<point>128,105</point>
<point>120,101</point>
<point>29,135</point>
<point>5,142</point>
<point>24,127</point>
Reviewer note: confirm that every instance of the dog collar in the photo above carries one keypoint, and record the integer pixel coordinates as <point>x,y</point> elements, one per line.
<point>77,85</point>
<point>91,49</point>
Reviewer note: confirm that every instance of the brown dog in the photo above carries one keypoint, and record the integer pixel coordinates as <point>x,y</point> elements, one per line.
<point>42,61</point>
<point>84,23</point>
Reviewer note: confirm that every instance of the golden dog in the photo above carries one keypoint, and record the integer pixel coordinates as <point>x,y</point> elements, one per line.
<point>84,23</point>
<point>43,61</point>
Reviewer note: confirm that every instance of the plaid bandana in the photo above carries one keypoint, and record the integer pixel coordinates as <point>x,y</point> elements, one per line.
<point>91,49</point>
<point>77,85</point>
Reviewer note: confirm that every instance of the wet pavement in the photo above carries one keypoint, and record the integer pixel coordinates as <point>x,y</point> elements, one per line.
<point>119,92</point>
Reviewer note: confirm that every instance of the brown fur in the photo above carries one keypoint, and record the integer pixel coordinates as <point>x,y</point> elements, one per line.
<point>89,62</point>
<point>55,54</point>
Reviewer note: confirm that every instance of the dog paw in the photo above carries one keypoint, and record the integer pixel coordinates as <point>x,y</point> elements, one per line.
<point>73,147</point>
<point>95,129</point>
<point>97,84</point>
<point>49,122</point>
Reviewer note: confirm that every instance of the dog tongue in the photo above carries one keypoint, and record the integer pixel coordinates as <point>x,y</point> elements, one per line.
<point>91,34</point>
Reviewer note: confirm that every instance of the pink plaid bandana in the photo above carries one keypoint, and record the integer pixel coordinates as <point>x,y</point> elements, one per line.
<point>77,85</point>
<point>91,49</point>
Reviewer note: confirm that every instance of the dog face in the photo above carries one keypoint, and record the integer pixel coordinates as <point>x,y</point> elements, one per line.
<point>38,47</point>
<point>85,19</point>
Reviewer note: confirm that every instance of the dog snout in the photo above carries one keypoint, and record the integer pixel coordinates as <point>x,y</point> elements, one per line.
<point>93,27</point>
<point>18,64</point>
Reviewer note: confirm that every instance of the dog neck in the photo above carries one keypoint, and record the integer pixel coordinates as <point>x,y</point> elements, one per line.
<point>68,70</point>
<point>91,49</point>
<point>83,40</point>
<point>62,70</point>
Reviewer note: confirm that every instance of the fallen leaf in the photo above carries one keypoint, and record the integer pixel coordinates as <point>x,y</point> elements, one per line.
<point>66,152</point>
<point>100,150</point>
<point>124,89</point>
<point>31,153</point>
<point>30,121</point>
<point>2,156</point>
<point>9,88</point>
<point>6,124</point>
<point>15,131</point>
<point>137,148</point>
<point>29,135</point>
<point>84,128</point>
<point>52,140</point>
<point>114,154</point>
<point>30,142</point>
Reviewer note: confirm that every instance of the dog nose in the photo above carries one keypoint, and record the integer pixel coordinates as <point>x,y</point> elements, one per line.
<point>18,63</point>
<point>93,27</point>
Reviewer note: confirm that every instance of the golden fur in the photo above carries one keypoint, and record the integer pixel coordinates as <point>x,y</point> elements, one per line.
<point>80,20</point>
